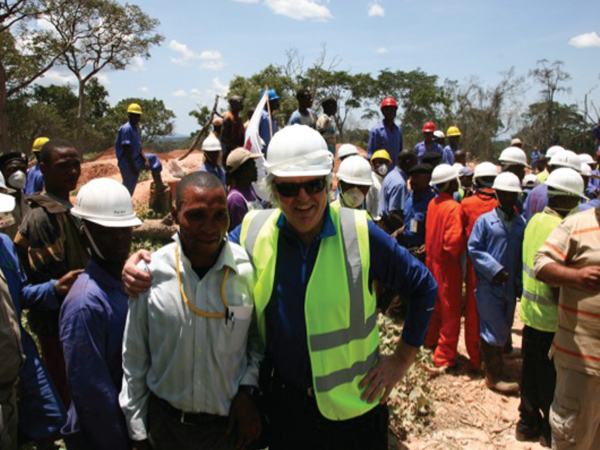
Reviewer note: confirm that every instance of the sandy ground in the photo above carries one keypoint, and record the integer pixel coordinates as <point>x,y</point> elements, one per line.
<point>467,415</point>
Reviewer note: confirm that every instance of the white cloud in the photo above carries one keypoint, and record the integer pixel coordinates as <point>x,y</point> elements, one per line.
<point>586,40</point>
<point>137,64</point>
<point>381,50</point>
<point>44,24</point>
<point>143,89</point>
<point>208,59</point>
<point>376,10</point>
<point>54,76</point>
<point>219,87</point>
<point>300,9</point>
<point>179,93</point>
<point>103,79</point>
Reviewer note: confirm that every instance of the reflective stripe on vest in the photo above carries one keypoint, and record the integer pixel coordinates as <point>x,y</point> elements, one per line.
<point>538,305</point>
<point>344,346</point>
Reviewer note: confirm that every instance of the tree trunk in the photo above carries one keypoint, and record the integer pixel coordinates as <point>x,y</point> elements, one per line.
<point>4,141</point>
<point>80,115</point>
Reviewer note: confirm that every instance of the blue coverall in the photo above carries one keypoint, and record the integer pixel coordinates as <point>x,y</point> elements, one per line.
<point>493,248</point>
<point>41,412</point>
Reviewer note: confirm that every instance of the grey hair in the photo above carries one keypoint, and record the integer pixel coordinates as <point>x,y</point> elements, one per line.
<point>268,185</point>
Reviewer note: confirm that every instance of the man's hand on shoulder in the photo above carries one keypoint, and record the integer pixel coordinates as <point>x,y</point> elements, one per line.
<point>245,419</point>
<point>136,281</point>
<point>63,285</point>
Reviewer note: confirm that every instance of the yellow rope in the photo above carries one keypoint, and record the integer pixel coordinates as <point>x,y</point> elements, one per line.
<point>192,307</point>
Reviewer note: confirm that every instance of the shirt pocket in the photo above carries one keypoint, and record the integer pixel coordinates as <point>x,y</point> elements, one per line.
<point>233,332</point>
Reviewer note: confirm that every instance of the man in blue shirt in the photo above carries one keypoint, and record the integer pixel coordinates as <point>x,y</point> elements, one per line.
<point>265,130</point>
<point>415,207</point>
<point>128,147</point>
<point>450,150</point>
<point>304,115</point>
<point>427,144</point>
<point>305,228</point>
<point>35,177</point>
<point>92,320</point>
<point>386,135</point>
<point>211,147</point>
<point>394,192</point>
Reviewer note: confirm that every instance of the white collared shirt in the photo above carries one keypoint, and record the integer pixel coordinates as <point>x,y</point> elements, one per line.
<point>195,363</point>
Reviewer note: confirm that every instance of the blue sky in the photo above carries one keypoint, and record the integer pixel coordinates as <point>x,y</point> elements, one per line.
<point>208,42</point>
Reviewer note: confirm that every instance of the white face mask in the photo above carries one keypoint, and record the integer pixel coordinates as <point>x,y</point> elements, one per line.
<point>382,170</point>
<point>17,179</point>
<point>353,198</point>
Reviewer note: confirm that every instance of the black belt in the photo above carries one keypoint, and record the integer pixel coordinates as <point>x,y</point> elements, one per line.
<point>186,418</point>
<point>280,384</point>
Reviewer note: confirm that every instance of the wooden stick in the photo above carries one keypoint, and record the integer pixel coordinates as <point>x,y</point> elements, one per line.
<point>204,128</point>
<point>269,111</point>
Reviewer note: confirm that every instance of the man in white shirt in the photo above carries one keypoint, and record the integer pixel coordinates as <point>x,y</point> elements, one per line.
<point>191,347</point>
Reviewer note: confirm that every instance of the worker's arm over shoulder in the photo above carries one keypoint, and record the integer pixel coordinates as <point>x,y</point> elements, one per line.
<point>393,266</point>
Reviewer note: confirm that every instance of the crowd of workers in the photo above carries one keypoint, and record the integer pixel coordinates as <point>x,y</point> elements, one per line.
<point>257,326</point>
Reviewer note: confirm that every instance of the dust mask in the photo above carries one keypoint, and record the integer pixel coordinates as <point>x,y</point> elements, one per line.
<point>17,179</point>
<point>353,198</point>
<point>382,170</point>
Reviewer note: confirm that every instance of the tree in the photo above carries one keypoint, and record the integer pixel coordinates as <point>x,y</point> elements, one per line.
<point>157,120</point>
<point>25,53</point>
<point>201,114</point>
<point>419,96</point>
<point>551,77</point>
<point>110,35</point>
<point>484,112</point>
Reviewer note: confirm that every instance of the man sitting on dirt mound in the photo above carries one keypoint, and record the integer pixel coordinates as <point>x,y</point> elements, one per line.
<point>128,147</point>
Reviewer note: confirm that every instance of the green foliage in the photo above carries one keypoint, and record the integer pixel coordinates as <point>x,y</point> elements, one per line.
<point>156,120</point>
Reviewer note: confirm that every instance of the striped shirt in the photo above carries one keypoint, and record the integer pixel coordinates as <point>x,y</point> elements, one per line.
<point>576,243</point>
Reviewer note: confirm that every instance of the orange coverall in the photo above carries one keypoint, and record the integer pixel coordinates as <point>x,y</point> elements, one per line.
<point>444,244</point>
<point>481,202</point>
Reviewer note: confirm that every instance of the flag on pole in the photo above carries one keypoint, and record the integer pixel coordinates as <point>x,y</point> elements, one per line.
<point>254,143</point>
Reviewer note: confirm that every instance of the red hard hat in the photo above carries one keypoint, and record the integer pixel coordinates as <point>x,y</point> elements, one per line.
<point>429,127</point>
<point>389,101</point>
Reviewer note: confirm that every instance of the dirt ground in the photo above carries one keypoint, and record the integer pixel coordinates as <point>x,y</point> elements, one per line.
<point>467,415</point>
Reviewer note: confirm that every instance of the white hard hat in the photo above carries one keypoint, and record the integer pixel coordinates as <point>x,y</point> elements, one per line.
<point>516,141</point>
<point>553,150</point>
<point>443,173</point>
<point>530,181</point>
<point>457,166</point>
<point>513,155</point>
<point>507,182</point>
<point>566,158</point>
<point>106,202</point>
<point>439,134</point>
<point>566,180</point>
<point>298,151</point>
<point>7,202</point>
<point>347,150</point>
<point>211,144</point>
<point>586,158</point>
<point>355,170</point>
<point>586,170</point>
<point>486,169</point>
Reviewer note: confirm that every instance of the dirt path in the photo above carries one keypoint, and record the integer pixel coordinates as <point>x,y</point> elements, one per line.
<point>467,415</point>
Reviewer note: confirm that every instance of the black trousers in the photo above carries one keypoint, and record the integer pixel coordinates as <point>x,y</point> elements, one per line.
<point>537,382</point>
<point>296,423</point>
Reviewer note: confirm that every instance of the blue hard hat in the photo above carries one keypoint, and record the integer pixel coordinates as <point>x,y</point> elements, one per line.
<point>272,95</point>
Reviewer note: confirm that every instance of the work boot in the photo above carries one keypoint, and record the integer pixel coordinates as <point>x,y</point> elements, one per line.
<point>491,362</point>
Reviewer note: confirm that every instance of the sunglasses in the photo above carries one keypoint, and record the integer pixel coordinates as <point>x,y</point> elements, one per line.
<point>293,189</point>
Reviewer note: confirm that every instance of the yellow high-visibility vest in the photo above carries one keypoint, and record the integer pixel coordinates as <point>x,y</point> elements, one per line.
<point>340,310</point>
<point>539,308</point>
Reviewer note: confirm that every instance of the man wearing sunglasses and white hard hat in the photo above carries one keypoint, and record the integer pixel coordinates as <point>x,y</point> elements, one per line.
<point>315,264</point>
<point>325,382</point>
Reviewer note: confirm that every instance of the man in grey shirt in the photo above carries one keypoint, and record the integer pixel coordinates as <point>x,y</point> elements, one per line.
<point>191,348</point>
